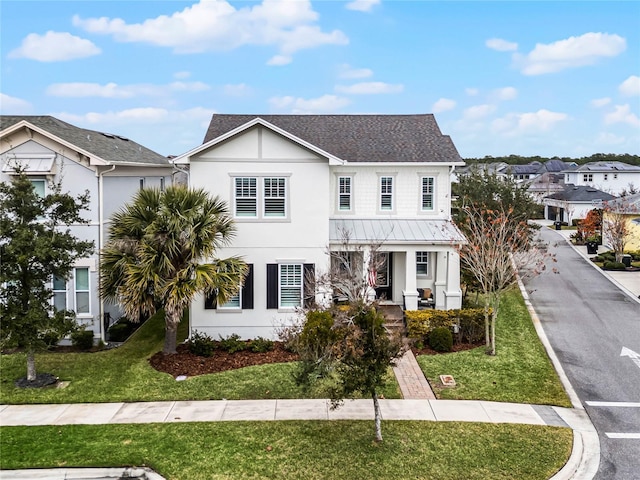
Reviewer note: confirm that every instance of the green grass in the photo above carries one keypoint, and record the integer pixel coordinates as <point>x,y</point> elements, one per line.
<point>124,375</point>
<point>521,372</point>
<point>297,450</point>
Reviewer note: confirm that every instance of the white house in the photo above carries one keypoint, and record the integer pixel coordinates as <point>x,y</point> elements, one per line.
<point>109,166</point>
<point>574,202</point>
<point>295,183</point>
<point>615,178</point>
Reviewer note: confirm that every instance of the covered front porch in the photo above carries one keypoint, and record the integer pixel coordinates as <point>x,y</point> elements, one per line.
<point>414,258</point>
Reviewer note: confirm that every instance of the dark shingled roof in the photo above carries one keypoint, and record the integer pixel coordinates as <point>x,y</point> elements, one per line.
<point>581,193</point>
<point>358,138</point>
<point>109,147</point>
<point>607,167</point>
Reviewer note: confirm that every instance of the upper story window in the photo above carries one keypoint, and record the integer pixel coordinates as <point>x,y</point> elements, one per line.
<point>422,263</point>
<point>587,177</point>
<point>344,193</point>
<point>260,197</point>
<point>39,187</point>
<point>386,193</point>
<point>615,176</point>
<point>274,197</point>
<point>606,177</point>
<point>142,183</point>
<point>428,184</point>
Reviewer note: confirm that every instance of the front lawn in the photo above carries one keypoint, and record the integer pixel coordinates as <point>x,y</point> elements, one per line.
<point>521,372</point>
<point>124,375</point>
<point>298,450</point>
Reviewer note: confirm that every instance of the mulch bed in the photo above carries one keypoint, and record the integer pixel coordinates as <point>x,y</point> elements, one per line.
<point>186,363</point>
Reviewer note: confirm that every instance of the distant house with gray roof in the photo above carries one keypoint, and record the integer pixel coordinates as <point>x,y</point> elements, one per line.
<point>111,167</point>
<point>574,202</point>
<point>615,178</point>
<point>298,185</point>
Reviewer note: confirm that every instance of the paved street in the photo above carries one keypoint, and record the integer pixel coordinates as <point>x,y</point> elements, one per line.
<point>594,328</point>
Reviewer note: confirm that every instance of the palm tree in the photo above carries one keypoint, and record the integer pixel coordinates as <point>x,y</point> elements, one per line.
<point>160,255</point>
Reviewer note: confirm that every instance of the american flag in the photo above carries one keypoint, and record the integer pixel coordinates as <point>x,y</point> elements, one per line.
<point>372,277</point>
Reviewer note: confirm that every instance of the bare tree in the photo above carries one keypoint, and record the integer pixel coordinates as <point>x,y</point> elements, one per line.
<point>497,247</point>
<point>615,225</point>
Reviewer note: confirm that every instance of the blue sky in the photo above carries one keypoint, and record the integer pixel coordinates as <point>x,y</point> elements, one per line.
<point>528,78</point>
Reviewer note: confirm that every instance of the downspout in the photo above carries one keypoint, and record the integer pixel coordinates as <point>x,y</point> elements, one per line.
<point>103,335</point>
<point>186,172</point>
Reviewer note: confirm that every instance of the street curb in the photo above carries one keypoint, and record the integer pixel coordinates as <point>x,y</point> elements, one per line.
<point>585,455</point>
<point>134,473</point>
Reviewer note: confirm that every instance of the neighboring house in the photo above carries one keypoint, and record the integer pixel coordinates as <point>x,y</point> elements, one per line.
<point>615,178</point>
<point>112,168</point>
<point>573,203</point>
<point>296,183</point>
<point>629,207</point>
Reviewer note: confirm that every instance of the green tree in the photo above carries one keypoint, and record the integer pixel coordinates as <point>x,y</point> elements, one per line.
<point>35,247</point>
<point>160,254</point>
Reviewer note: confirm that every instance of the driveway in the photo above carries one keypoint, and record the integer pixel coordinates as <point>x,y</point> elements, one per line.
<point>594,328</point>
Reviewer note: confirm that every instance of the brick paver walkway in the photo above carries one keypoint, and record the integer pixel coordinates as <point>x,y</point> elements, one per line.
<point>411,380</point>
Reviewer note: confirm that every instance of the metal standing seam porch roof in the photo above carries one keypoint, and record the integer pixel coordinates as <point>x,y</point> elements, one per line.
<point>395,231</point>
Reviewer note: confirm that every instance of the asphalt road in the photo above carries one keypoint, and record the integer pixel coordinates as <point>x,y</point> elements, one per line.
<point>589,321</point>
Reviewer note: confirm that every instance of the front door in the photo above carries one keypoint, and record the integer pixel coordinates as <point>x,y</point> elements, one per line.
<point>383,277</point>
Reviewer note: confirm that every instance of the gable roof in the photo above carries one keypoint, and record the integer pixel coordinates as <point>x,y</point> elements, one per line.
<point>357,138</point>
<point>110,148</point>
<point>580,193</point>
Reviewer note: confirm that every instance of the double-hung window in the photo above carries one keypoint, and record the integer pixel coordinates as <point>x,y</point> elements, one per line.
<point>59,293</point>
<point>274,197</point>
<point>82,290</point>
<point>427,193</point>
<point>422,263</point>
<point>344,193</point>
<point>234,302</point>
<point>386,193</point>
<point>290,285</point>
<point>246,197</point>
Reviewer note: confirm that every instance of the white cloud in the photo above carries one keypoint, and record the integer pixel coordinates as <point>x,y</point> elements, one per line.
<point>215,25</point>
<point>443,105</point>
<point>369,88</point>
<point>347,71</point>
<point>472,92</point>
<point>54,47</point>
<point>572,52</point>
<point>607,138</point>
<point>478,111</point>
<point>279,60</point>
<point>325,103</point>
<point>506,93</point>
<point>182,75</point>
<point>600,102</point>
<point>113,90</point>
<point>630,87</point>
<point>530,122</point>
<point>238,90</point>
<point>622,114</point>
<point>362,5</point>
<point>13,106</point>
<point>501,45</point>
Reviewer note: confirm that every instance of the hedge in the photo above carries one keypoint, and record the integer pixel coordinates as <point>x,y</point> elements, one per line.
<point>420,323</point>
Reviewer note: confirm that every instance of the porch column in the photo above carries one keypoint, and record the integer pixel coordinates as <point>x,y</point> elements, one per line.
<point>410,292</point>
<point>440,283</point>
<point>366,263</point>
<point>453,294</point>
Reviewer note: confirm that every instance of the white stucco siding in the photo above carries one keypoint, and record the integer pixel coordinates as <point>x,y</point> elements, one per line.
<point>615,183</point>
<point>407,188</point>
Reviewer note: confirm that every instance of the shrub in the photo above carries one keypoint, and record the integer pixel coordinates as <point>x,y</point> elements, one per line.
<point>201,344</point>
<point>261,345</point>
<point>441,339</point>
<point>613,266</point>
<point>316,335</point>
<point>232,343</point>
<point>121,330</point>
<point>82,339</point>
<point>469,320</point>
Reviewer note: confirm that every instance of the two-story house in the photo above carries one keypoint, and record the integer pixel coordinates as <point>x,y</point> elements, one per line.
<point>109,166</point>
<point>296,183</point>
<point>615,178</point>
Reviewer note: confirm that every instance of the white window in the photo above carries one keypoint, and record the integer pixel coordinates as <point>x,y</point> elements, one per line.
<point>39,187</point>
<point>274,197</point>
<point>344,193</point>
<point>422,263</point>
<point>82,290</point>
<point>234,302</point>
<point>386,193</point>
<point>427,193</point>
<point>587,177</point>
<point>59,293</point>
<point>246,197</point>
<point>290,285</point>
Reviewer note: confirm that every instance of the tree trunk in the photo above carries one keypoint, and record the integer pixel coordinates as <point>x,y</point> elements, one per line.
<point>31,366</point>
<point>487,328</point>
<point>378,416</point>
<point>172,319</point>
<point>493,332</point>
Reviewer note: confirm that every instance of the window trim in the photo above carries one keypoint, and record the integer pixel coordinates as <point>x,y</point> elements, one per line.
<point>76,291</point>
<point>276,197</point>
<point>260,199</point>
<point>423,195</point>
<point>392,195</point>
<point>341,194</point>
<point>422,261</point>
<point>249,197</point>
<point>299,287</point>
